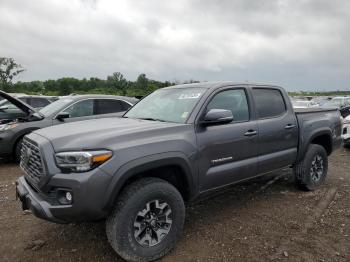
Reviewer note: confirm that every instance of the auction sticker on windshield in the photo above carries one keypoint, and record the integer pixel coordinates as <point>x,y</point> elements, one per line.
<point>190,96</point>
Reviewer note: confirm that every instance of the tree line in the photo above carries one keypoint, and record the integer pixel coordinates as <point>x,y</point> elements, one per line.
<point>115,84</point>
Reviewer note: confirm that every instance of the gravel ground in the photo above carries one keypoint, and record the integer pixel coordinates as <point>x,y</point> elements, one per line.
<point>256,221</point>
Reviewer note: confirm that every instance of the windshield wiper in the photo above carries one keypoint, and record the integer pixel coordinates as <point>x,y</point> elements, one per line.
<point>152,119</point>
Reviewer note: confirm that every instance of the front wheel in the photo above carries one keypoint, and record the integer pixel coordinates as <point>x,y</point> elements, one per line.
<point>312,170</point>
<point>147,220</point>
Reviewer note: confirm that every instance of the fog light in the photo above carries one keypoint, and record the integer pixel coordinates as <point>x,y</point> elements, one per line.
<point>64,197</point>
<point>69,196</point>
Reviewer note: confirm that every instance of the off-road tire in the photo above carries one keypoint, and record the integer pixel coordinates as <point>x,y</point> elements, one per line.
<point>17,153</point>
<point>302,170</point>
<point>120,223</point>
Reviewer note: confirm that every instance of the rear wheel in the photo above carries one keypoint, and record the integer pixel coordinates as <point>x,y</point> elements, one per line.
<point>312,170</point>
<point>147,220</point>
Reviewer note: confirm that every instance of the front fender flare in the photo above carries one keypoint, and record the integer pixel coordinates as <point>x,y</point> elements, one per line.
<point>146,163</point>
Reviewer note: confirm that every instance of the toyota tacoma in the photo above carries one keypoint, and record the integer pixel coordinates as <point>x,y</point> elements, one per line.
<point>176,145</point>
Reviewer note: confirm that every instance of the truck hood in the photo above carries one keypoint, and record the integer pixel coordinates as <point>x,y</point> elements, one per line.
<point>106,133</point>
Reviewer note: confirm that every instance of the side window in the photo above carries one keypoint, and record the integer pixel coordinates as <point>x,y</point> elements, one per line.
<point>37,102</point>
<point>82,108</point>
<point>269,102</point>
<point>234,100</point>
<point>108,106</point>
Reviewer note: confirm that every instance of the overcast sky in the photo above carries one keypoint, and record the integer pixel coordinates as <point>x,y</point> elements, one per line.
<point>301,45</point>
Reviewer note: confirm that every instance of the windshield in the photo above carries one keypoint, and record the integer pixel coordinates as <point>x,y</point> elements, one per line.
<point>169,105</point>
<point>55,106</point>
<point>334,103</point>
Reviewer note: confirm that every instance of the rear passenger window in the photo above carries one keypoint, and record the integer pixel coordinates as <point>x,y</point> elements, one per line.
<point>269,102</point>
<point>234,100</point>
<point>108,106</point>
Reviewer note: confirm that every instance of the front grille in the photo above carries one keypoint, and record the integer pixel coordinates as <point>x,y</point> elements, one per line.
<point>31,161</point>
<point>345,130</point>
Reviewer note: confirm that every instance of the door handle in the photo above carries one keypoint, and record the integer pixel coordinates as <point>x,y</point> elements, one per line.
<point>289,126</point>
<point>250,133</point>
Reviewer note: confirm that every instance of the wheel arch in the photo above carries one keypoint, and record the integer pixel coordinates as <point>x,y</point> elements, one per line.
<point>172,167</point>
<point>324,140</point>
<point>322,137</point>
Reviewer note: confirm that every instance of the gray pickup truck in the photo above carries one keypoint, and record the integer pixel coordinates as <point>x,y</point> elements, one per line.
<point>176,145</point>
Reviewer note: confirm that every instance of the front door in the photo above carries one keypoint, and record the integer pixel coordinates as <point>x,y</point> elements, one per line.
<point>79,111</point>
<point>227,152</point>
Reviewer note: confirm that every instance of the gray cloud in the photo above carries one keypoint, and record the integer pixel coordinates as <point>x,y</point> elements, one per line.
<point>300,44</point>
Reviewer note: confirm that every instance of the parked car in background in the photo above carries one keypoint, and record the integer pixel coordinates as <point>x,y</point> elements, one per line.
<point>304,103</point>
<point>38,102</point>
<point>65,110</point>
<point>302,98</point>
<point>340,102</point>
<point>321,100</point>
<point>10,111</point>
<point>346,131</point>
<point>176,145</point>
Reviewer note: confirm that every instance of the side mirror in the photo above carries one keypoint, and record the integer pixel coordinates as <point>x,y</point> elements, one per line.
<point>3,108</point>
<point>217,116</point>
<point>63,115</point>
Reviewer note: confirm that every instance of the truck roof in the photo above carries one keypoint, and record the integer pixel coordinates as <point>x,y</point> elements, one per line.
<point>218,84</point>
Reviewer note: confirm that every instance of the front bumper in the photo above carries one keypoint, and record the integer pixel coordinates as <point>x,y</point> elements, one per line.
<point>88,197</point>
<point>32,201</point>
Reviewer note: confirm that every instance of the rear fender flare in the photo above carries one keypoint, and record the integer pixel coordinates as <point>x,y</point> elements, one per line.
<point>305,144</point>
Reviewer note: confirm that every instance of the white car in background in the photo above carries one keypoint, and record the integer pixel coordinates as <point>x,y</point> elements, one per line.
<point>304,104</point>
<point>346,131</point>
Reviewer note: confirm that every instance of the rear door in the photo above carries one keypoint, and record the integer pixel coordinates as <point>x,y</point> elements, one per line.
<point>227,152</point>
<point>277,128</point>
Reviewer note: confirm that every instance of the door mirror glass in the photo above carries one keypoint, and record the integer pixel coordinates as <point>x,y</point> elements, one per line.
<point>217,116</point>
<point>62,115</point>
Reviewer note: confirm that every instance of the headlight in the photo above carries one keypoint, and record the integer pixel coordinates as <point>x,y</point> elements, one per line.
<point>346,120</point>
<point>7,127</point>
<point>82,161</point>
